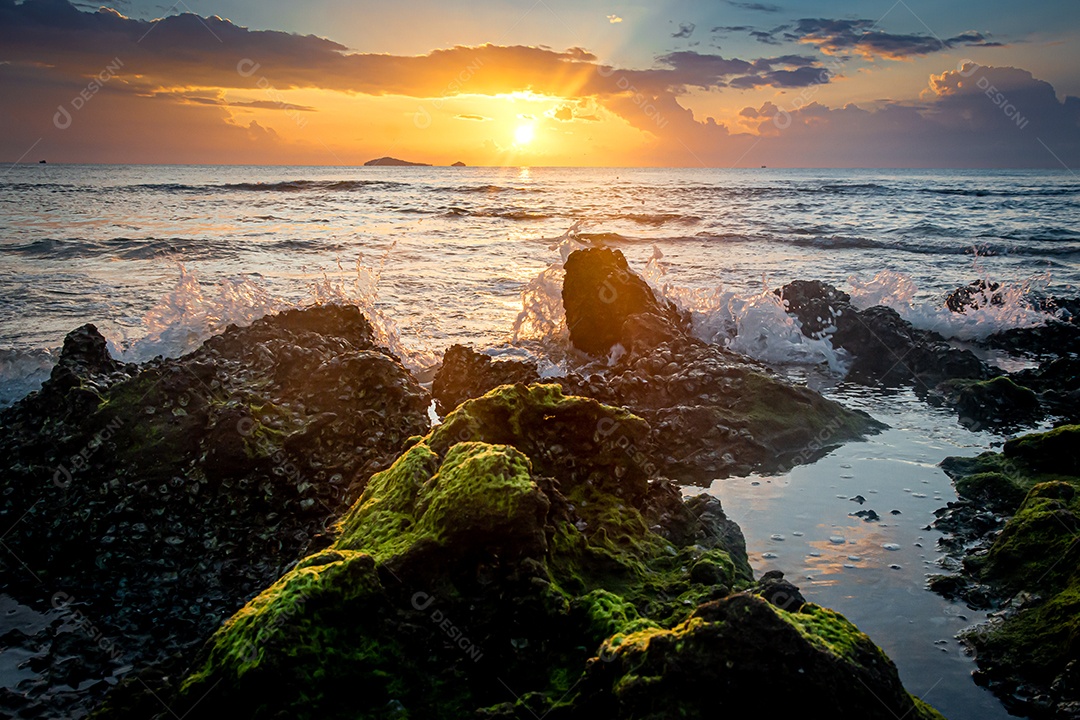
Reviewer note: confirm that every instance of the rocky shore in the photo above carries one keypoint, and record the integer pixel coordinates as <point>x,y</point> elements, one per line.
<point>272,527</point>
<point>1014,546</point>
<point>886,350</point>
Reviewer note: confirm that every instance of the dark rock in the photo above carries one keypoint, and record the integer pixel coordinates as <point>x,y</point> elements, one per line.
<point>973,296</point>
<point>1027,565</point>
<point>161,497</point>
<point>713,413</point>
<point>866,515</point>
<point>884,347</point>
<point>600,293</point>
<point>1057,381</point>
<point>780,592</point>
<point>85,354</point>
<point>999,402</point>
<point>466,374</point>
<point>1053,339</point>
<point>483,560</point>
<point>817,305</point>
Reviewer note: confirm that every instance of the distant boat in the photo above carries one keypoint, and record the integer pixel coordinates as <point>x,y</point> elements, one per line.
<point>41,162</point>
<point>764,166</point>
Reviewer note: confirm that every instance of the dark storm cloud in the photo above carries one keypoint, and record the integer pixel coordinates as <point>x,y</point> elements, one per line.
<point>759,7</point>
<point>863,37</point>
<point>685,30</point>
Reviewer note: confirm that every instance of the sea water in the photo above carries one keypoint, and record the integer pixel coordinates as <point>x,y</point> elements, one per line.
<point>162,257</point>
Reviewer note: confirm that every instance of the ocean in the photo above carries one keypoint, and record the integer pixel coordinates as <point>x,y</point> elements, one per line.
<point>161,257</point>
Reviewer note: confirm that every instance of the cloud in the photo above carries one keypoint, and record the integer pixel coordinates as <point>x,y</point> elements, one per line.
<point>272,105</point>
<point>801,77</point>
<point>971,117</point>
<point>759,7</point>
<point>183,78</point>
<point>715,71</point>
<point>478,118</point>
<point>186,51</point>
<point>614,19</point>
<point>564,113</point>
<point>767,37</point>
<point>685,30</point>
<point>835,37</point>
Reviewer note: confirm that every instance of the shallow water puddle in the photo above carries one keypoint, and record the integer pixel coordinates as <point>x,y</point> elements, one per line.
<point>874,572</point>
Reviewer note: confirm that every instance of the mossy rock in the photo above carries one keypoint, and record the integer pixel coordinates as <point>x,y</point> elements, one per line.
<point>1038,643</point>
<point>1035,559</point>
<point>485,574</point>
<point>993,490</point>
<point>737,648</point>
<point>998,401</point>
<point>1055,451</point>
<point>1040,545</point>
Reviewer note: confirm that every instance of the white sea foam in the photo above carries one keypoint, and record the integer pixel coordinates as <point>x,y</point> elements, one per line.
<point>899,292</point>
<point>190,313</point>
<point>193,311</point>
<point>756,326</point>
<point>23,371</point>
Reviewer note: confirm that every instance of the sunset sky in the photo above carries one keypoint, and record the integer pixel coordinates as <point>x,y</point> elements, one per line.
<point>911,83</point>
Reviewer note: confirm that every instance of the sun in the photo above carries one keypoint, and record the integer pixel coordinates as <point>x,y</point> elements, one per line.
<point>524,134</point>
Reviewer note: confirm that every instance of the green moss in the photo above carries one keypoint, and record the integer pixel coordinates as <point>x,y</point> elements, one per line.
<point>609,614</point>
<point>1040,545</point>
<point>994,490</point>
<point>829,631</point>
<point>744,643</point>
<point>240,646</point>
<point>1037,553</point>
<point>1055,451</point>
<point>995,480</point>
<point>521,520</point>
<point>1039,642</point>
<point>477,488</point>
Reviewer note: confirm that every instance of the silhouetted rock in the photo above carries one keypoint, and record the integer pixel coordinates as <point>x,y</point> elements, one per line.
<point>815,304</point>
<point>973,296</point>
<point>884,347</point>
<point>600,293</point>
<point>158,498</point>
<point>1054,339</point>
<point>466,374</point>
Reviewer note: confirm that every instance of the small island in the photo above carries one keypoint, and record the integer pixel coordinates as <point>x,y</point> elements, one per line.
<point>394,162</point>
<point>459,164</point>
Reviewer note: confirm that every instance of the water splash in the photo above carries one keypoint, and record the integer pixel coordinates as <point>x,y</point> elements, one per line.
<point>23,371</point>
<point>756,326</point>
<point>1009,306</point>
<point>189,314</point>
<point>766,332</point>
<point>361,288</point>
<point>542,319</point>
<point>194,311</point>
